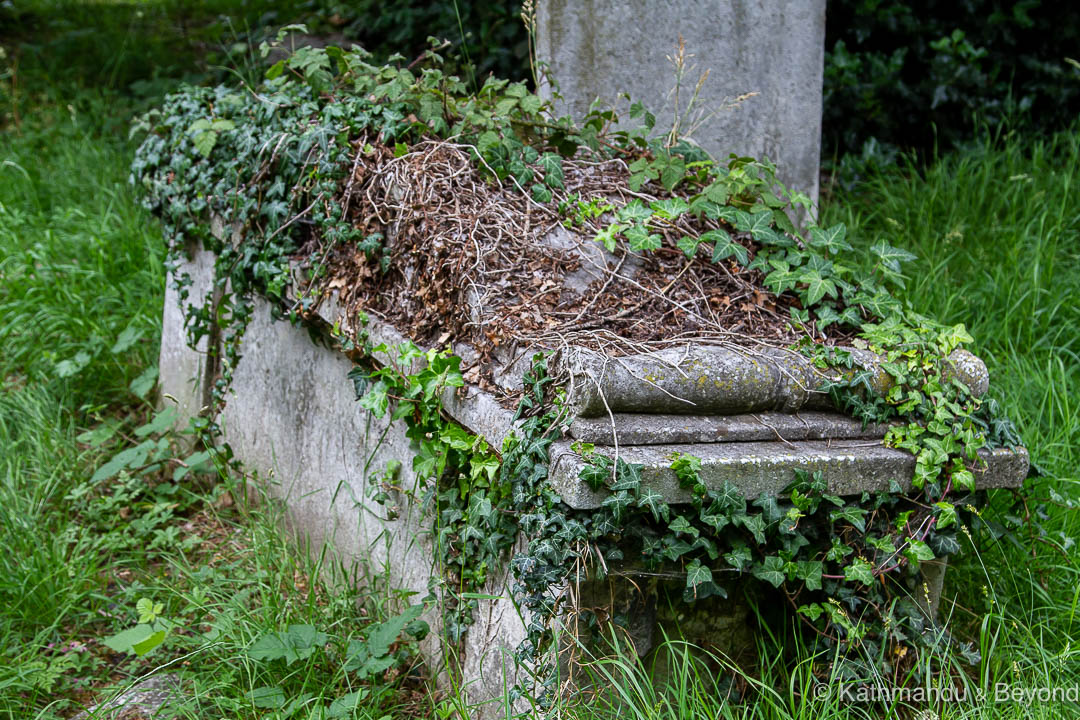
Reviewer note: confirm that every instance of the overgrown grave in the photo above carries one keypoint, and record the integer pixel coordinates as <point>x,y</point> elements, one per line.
<point>589,365</point>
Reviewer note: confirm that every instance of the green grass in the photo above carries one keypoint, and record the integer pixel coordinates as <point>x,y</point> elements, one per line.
<point>81,283</point>
<point>81,292</point>
<point>80,307</point>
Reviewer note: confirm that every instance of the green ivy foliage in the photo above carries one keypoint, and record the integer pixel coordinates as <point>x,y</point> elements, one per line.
<point>457,473</point>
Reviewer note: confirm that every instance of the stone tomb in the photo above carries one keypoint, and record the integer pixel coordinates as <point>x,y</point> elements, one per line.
<point>748,414</point>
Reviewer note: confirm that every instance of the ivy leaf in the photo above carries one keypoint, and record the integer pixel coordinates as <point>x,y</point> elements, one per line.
<point>954,337</point>
<point>681,526</point>
<point>429,460</point>
<point>457,437</point>
<point>881,544</point>
<point>740,557</point>
<point>670,208</point>
<point>826,315</point>
<point>541,193</point>
<point>717,521</point>
<point>838,551</point>
<point>596,474</point>
<point>812,611</point>
<point>963,479</point>
<point>655,502</point>
<point>483,465</point>
<point>831,240</point>
<point>725,247</point>
<point>918,551</point>
<point>672,173</point>
<point>809,571</point>
<point>688,245</point>
<point>376,399</point>
<point>770,508</point>
<point>771,570</point>
<point>641,239</point>
<point>947,516</point>
<point>552,166</point>
<point>703,207</point>
<point>890,257</point>
<point>943,544</point>
<point>761,229</point>
<point>696,575</point>
<point>687,469</point>
<point>633,212</point>
<point>781,277</point>
<point>743,220</point>
<point>859,571</point>
<point>755,524</point>
<point>606,236</point>
<point>817,286</point>
<point>852,514</point>
<point>488,141</point>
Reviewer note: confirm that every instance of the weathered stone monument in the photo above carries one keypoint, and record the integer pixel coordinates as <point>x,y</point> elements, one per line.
<point>749,414</point>
<point>600,48</point>
<point>577,400</point>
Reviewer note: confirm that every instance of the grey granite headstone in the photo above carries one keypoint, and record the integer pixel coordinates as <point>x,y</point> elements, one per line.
<point>600,48</point>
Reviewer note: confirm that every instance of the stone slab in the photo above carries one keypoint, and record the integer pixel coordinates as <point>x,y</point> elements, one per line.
<point>722,379</point>
<point>600,48</point>
<point>292,418</point>
<point>850,467</point>
<point>643,429</point>
<point>182,371</point>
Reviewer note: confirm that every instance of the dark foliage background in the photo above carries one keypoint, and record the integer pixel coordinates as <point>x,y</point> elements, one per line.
<point>914,72</point>
<point>900,75</point>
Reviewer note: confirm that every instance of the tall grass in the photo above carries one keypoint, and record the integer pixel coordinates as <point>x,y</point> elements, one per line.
<point>997,233</point>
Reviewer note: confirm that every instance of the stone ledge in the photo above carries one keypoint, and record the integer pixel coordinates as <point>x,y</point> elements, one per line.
<point>645,429</point>
<point>849,467</point>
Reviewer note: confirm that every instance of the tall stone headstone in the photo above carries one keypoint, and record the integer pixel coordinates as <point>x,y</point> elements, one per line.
<point>774,48</point>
